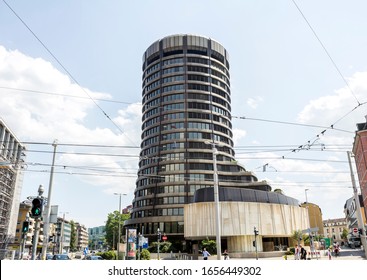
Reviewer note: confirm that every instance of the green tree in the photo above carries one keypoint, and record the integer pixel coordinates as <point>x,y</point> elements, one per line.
<point>210,245</point>
<point>297,236</point>
<point>112,227</point>
<point>73,241</point>
<point>344,234</point>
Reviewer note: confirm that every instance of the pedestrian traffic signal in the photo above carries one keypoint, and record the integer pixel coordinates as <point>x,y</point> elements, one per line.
<point>37,205</point>
<point>25,227</point>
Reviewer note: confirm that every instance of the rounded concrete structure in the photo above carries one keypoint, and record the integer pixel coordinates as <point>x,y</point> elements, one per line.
<point>274,215</point>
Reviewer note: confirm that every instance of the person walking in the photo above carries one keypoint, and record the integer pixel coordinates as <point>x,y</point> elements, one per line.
<point>297,253</point>
<point>225,254</point>
<point>329,253</point>
<point>205,254</point>
<point>303,253</point>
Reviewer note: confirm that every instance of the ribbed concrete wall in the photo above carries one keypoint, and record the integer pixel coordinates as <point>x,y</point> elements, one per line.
<point>238,220</point>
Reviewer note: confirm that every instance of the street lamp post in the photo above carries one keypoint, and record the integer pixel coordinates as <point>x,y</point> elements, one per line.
<point>216,198</point>
<point>37,226</point>
<point>46,226</point>
<point>119,226</point>
<point>310,235</point>
<point>62,236</point>
<point>306,190</point>
<point>158,241</point>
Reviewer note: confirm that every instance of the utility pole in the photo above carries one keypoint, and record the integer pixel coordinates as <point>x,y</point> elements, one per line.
<point>216,197</point>
<point>119,225</point>
<point>46,225</point>
<point>358,206</point>
<point>158,240</point>
<point>37,224</point>
<point>62,235</point>
<point>24,237</point>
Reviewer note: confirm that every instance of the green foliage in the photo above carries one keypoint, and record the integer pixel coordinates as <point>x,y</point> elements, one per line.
<point>297,236</point>
<point>73,239</point>
<point>145,254</point>
<point>210,245</point>
<point>164,247</point>
<point>109,255</point>
<point>306,239</point>
<point>291,251</point>
<point>345,234</point>
<point>112,226</point>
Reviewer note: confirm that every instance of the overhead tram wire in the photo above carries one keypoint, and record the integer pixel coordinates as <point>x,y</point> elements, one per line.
<point>332,126</point>
<point>326,51</point>
<point>289,123</point>
<point>81,145</point>
<point>67,71</point>
<point>65,95</point>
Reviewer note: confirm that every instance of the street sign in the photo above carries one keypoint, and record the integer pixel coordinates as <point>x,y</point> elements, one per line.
<point>309,230</point>
<point>164,237</point>
<point>355,230</point>
<point>145,243</point>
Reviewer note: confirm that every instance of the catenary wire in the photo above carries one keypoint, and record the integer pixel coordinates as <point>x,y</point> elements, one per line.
<point>67,71</point>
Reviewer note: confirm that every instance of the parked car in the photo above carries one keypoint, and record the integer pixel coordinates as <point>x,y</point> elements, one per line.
<point>61,257</point>
<point>49,256</point>
<point>354,242</point>
<point>93,258</point>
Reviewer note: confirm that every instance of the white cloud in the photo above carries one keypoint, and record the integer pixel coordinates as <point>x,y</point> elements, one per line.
<point>40,116</point>
<point>36,116</point>
<point>238,134</point>
<point>328,109</point>
<point>254,102</point>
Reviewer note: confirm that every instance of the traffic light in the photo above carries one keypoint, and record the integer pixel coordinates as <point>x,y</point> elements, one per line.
<point>25,227</point>
<point>37,205</point>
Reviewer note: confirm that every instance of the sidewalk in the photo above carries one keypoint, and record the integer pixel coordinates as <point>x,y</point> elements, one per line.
<point>345,254</point>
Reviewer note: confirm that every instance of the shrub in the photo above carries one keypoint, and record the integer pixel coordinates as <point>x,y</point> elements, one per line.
<point>210,245</point>
<point>289,253</point>
<point>145,254</point>
<point>109,255</point>
<point>164,247</point>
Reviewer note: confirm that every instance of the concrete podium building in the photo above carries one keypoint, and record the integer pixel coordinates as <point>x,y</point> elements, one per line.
<point>186,102</point>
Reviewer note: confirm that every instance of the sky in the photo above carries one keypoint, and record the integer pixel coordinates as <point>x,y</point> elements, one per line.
<point>71,71</point>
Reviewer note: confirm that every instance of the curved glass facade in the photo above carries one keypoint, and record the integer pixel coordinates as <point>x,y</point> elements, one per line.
<point>186,102</point>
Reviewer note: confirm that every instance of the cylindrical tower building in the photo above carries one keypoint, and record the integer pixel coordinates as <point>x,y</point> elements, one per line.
<point>186,102</point>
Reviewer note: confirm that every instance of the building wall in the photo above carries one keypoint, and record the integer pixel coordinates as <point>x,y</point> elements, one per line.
<point>81,237</point>
<point>315,216</point>
<point>97,237</point>
<point>360,156</point>
<point>11,179</point>
<point>238,220</point>
<point>333,228</point>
